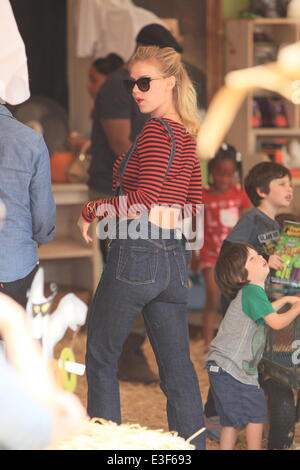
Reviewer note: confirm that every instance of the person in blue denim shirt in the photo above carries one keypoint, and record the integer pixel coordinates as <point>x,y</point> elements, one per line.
<point>25,190</point>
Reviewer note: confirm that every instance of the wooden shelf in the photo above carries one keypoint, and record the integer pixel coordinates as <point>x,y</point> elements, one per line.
<point>266,21</point>
<point>240,54</point>
<point>274,132</point>
<point>69,193</point>
<point>64,247</point>
<point>68,259</point>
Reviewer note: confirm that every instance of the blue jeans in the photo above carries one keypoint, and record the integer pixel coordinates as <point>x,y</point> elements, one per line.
<point>148,276</point>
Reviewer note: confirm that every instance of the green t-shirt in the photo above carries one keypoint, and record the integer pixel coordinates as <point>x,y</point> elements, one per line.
<point>240,342</point>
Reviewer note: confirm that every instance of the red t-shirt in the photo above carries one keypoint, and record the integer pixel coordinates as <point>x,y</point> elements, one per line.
<point>221,213</point>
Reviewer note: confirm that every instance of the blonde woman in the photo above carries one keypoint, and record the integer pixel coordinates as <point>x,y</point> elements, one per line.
<point>146,269</point>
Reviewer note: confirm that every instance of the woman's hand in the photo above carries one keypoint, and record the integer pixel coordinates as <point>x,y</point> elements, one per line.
<point>84,227</point>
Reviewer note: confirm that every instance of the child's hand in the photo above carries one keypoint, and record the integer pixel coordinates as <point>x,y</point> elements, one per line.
<point>275,262</point>
<point>296,306</point>
<point>291,299</point>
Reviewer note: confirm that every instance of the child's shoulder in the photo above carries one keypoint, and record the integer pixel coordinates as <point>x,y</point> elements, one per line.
<point>253,294</point>
<point>248,288</point>
<point>251,214</point>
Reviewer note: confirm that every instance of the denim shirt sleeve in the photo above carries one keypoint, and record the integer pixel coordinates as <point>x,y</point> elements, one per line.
<point>42,204</point>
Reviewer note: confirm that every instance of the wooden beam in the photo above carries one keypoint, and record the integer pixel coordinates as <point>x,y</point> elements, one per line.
<point>214,48</point>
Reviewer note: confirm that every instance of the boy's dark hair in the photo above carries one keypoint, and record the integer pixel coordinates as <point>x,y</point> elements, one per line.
<point>230,272</point>
<point>260,177</point>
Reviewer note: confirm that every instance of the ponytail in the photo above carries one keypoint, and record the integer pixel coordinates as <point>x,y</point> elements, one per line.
<point>186,101</point>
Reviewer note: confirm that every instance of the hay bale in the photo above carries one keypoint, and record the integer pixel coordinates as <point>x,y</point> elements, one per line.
<point>111,436</point>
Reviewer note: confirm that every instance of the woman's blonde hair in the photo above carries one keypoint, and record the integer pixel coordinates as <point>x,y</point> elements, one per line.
<point>170,64</point>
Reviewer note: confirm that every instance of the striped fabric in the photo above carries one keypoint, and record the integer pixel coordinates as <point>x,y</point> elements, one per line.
<point>145,182</point>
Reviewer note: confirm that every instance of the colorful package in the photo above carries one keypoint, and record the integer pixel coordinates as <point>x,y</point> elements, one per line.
<point>288,248</point>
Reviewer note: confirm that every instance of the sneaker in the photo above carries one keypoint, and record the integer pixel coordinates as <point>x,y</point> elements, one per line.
<point>213,427</point>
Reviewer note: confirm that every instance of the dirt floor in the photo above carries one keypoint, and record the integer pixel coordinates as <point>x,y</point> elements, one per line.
<point>145,404</point>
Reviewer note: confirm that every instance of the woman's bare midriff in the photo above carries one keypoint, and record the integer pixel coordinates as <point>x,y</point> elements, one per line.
<point>164,217</point>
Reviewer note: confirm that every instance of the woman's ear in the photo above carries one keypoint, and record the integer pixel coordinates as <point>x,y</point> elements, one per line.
<point>171,82</point>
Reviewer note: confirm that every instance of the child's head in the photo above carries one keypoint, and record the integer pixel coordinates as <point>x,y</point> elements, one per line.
<point>223,166</point>
<point>238,265</point>
<point>266,178</point>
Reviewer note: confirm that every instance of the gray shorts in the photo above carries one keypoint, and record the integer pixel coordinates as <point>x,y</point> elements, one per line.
<point>237,403</point>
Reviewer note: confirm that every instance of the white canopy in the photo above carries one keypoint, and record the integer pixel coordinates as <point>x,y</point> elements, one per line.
<point>105,26</point>
<point>14,83</point>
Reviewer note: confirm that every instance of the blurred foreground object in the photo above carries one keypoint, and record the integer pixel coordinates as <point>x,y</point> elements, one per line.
<point>35,411</point>
<point>293,10</point>
<point>281,77</point>
<point>14,84</point>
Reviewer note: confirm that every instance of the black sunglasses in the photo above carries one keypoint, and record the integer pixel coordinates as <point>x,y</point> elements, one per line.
<point>143,84</point>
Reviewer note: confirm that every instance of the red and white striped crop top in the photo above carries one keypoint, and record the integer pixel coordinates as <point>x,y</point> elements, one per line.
<point>145,182</point>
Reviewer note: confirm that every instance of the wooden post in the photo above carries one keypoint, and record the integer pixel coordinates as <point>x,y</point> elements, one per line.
<point>214,49</point>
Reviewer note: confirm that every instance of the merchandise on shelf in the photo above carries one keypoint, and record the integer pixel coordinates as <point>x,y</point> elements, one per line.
<point>269,112</point>
<point>264,48</point>
<point>288,248</point>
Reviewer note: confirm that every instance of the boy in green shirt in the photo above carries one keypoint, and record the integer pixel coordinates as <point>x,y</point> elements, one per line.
<point>269,188</point>
<point>238,347</point>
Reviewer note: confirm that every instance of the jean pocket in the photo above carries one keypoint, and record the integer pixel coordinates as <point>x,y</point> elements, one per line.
<point>137,265</point>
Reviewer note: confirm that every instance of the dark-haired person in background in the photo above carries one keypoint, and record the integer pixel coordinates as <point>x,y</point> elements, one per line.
<point>98,72</point>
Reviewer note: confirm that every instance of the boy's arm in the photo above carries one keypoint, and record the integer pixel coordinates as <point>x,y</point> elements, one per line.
<point>287,299</point>
<point>278,321</point>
